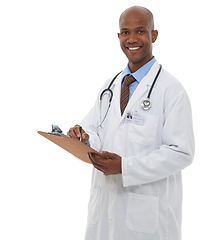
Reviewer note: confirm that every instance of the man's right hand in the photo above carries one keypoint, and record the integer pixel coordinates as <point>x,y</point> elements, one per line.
<point>74,132</point>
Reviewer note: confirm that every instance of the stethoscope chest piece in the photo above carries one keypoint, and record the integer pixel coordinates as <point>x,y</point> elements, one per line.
<point>146,104</point>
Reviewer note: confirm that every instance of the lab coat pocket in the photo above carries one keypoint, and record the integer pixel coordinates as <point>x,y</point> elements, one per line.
<point>94,206</point>
<point>146,132</point>
<point>142,213</point>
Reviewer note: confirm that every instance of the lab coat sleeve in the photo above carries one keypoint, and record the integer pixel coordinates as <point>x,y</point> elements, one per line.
<point>90,124</point>
<point>175,153</point>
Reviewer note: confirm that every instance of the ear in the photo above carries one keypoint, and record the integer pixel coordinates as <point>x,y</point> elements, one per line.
<point>154,35</point>
<point>118,34</point>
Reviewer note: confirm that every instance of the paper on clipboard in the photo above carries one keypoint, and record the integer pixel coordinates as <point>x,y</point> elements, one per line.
<point>73,146</point>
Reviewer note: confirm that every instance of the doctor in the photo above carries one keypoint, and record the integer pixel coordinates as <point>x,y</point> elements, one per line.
<point>136,190</point>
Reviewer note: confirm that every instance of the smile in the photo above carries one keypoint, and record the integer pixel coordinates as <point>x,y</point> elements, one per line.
<point>133,48</point>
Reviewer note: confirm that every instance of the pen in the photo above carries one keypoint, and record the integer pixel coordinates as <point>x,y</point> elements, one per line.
<point>80,129</point>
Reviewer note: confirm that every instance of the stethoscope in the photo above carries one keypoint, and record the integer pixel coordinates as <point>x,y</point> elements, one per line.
<point>145,104</point>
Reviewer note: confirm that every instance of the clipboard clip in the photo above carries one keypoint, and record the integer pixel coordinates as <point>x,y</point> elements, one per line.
<point>56,130</point>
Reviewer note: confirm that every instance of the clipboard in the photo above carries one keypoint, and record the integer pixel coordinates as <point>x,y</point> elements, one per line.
<point>73,146</point>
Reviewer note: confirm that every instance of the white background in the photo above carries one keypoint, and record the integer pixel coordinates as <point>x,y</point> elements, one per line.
<point>49,52</point>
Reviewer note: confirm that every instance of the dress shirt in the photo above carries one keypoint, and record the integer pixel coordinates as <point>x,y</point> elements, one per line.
<point>138,75</point>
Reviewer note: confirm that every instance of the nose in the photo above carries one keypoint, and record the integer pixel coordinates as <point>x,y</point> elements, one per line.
<point>132,38</point>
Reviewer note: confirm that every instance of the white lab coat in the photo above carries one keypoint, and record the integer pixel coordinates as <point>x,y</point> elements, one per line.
<point>144,202</point>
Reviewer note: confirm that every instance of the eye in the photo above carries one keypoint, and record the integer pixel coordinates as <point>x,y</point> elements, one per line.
<point>141,31</point>
<point>124,32</point>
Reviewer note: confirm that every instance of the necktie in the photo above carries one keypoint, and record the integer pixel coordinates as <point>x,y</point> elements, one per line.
<point>125,91</point>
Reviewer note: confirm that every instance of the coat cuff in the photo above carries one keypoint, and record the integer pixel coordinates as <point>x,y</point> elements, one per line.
<point>126,165</point>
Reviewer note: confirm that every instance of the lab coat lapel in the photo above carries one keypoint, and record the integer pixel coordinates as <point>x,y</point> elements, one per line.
<point>143,87</point>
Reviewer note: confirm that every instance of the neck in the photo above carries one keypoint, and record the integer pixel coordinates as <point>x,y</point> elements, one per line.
<point>134,66</point>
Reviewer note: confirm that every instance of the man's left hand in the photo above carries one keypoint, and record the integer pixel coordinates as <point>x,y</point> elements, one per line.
<point>108,163</point>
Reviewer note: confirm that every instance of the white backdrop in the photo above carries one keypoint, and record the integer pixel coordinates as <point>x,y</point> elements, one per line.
<point>49,52</point>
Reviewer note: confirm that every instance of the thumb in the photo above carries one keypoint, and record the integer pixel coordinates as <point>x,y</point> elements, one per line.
<point>107,154</point>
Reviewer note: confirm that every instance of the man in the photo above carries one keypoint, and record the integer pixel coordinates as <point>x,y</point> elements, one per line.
<point>136,184</point>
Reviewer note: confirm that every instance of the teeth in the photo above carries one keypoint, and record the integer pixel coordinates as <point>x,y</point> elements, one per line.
<point>133,48</point>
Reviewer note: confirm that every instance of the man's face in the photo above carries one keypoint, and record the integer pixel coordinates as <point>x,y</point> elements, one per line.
<point>136,37</point>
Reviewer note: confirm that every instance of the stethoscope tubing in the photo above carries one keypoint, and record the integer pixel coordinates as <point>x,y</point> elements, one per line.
<point>111,93</point>
<point>152,86</point>
<point>144,106</point>
<point>108,89</point>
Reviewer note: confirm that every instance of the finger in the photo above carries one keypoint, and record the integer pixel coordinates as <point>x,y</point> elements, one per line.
<point>98,159</point>
<point>84,134</point>
<point>107,154</point>
<point>100,169</point>
<point>94,159</point>
<point>74,132</point>
<point>85,137</point>
<point>80,133</point>
<point>97,166</point>
<point>77,131</point>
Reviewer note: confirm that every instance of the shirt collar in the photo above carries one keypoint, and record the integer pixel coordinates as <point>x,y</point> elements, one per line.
<point>140,73</point>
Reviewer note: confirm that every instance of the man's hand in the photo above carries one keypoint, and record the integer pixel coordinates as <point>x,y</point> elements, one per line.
<point>108,163</point>
<point>74,132</point>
